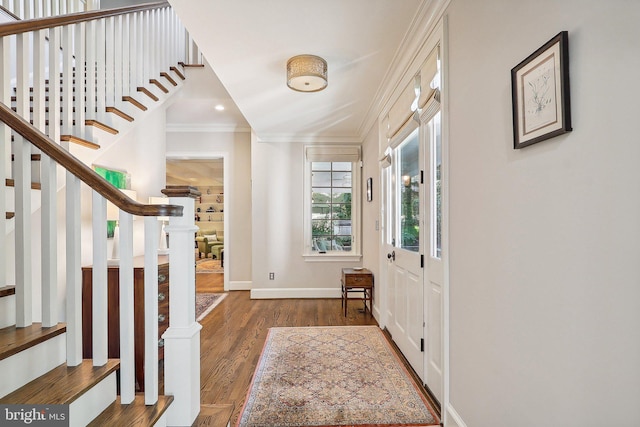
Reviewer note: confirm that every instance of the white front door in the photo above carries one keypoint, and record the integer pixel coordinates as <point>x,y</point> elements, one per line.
<point>434,268</point>
<point>404,292</point>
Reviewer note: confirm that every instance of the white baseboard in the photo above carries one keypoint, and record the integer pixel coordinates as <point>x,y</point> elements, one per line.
<point>285,293</point>
<point>239,285</point>
<point>453,419</point>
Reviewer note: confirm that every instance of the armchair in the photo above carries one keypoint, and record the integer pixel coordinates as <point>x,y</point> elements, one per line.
<point>209,242</point>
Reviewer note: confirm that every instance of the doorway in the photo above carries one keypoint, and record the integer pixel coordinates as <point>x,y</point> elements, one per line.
<point>210,216</point>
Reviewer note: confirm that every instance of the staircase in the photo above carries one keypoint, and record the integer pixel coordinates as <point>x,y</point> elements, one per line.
<point>70,87</point>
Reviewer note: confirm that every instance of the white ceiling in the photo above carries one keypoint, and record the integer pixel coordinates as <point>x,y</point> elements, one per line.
<point>248,43</point>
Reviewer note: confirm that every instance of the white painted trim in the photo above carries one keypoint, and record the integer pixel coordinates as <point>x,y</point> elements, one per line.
<point>452,418</point>
<point>308,139</point>
<point>240,285</point>
<point>207,128</point>
<point>286,293</point>
<point>331,258</point>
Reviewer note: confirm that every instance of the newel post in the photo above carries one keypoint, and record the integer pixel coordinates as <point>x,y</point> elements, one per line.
<point>182,338</point>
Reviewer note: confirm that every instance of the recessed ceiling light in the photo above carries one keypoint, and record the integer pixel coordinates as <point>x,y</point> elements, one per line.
<point>220,107</point>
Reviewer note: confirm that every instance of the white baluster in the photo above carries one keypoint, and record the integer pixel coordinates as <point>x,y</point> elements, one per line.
<point>54,84</point>
<point>74,271</point>
<point>118,61</point>
<point>5,150</point>
<point>90,30</point>
<point>151,239</point>
<point>67,80</point>
<point>79,84</point>
<point>110,53</point>
<point>127,324</point>
<point>100,69</point>
<point>22,176</point>
<point>126,60</point>
<point>99,286</point>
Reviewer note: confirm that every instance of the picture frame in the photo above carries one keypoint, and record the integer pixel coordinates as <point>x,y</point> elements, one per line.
<point>369,189</point>
<point>540,93</point>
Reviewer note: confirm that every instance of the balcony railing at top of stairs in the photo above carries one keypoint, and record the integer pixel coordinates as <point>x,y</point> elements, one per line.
<point>69,69</point>
<point>29,9</point>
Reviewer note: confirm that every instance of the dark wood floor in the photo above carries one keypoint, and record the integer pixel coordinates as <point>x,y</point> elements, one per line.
<point>234,334</point>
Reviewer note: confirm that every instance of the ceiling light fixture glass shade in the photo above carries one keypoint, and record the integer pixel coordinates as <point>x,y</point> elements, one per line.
<point>307,73</point>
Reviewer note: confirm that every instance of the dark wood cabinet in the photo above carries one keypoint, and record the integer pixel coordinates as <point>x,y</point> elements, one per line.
<point>113,301</point>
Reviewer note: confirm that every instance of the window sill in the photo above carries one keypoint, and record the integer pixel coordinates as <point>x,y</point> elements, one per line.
<point>332,257</point>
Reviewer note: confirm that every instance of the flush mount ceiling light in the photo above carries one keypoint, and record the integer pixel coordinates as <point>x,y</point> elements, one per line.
<point>307,73</point>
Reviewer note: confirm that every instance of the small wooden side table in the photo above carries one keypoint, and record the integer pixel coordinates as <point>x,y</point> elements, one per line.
<point>360,280</point>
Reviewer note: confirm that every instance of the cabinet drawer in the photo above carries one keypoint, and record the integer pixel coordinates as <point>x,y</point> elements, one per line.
<point>357,280</point>
<point>163,275</point>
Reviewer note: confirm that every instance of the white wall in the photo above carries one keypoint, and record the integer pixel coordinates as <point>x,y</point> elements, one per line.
<point>278,235</point>
<point>235,147</point>
<point>371,211</point>
<point>545,241</point>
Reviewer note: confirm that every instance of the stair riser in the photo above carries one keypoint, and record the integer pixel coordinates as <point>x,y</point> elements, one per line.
<point>31,363</point>
<point>93,402</point>
<point>8,307</point>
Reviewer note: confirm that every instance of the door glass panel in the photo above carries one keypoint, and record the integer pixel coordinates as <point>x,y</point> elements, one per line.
<point>408,191</point>
<point>436,186</point>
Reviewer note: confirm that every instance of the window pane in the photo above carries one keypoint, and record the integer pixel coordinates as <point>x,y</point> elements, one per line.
<point>341,166</point>
<point>331,206</point>
<point>408,191</point>
<point>341,195</point>
<point>320,195</point>
<point>321,179</point>
<point>341,179</point>
<point>321,166</point>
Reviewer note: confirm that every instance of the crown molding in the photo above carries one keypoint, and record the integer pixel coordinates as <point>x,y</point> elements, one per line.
<point>207,128</point>
<point>323,139</point>
<point>424,23</point>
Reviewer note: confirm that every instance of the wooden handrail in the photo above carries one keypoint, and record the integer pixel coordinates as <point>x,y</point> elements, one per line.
<point>9,13</point>
<point>80,170</point>
<point>28,25</point>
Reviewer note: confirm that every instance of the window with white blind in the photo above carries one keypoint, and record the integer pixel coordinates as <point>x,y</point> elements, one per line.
<point>332,202</point>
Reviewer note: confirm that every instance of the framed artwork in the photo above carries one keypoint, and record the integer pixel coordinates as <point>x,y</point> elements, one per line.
<point>369,189</point>
<point>540,93</point>
<point>120,179</point>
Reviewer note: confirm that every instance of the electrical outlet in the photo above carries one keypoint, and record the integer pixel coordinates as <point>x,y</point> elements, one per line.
<point>272,276</point>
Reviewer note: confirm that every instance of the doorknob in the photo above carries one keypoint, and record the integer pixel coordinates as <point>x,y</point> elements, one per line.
<point>392,256</point>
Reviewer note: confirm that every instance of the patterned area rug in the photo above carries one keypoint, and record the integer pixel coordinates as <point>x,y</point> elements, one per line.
<point>332,376</point>
<point>205,303</point>
<point>209,266</point>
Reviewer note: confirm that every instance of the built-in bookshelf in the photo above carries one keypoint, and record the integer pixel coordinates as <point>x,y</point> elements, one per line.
<point>210,208</point>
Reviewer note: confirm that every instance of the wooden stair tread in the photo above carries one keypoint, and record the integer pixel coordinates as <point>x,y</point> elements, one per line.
<point>134,102</point>
<point>190,65</point>
<point>175,70</point>
<point>9,215</point>
<point>133,414</point>
<point>159,85</point>
<point>101,126</point>
<point>77,140</point>
<point>119,113</point>
<point>148,93</point>
<point>5,291</point>
<point>62,385</point>
<point>168,77</point>
<point>9,182</point>
<point>214,415</point>
<point>14,340</point>
<point>34,157</point>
